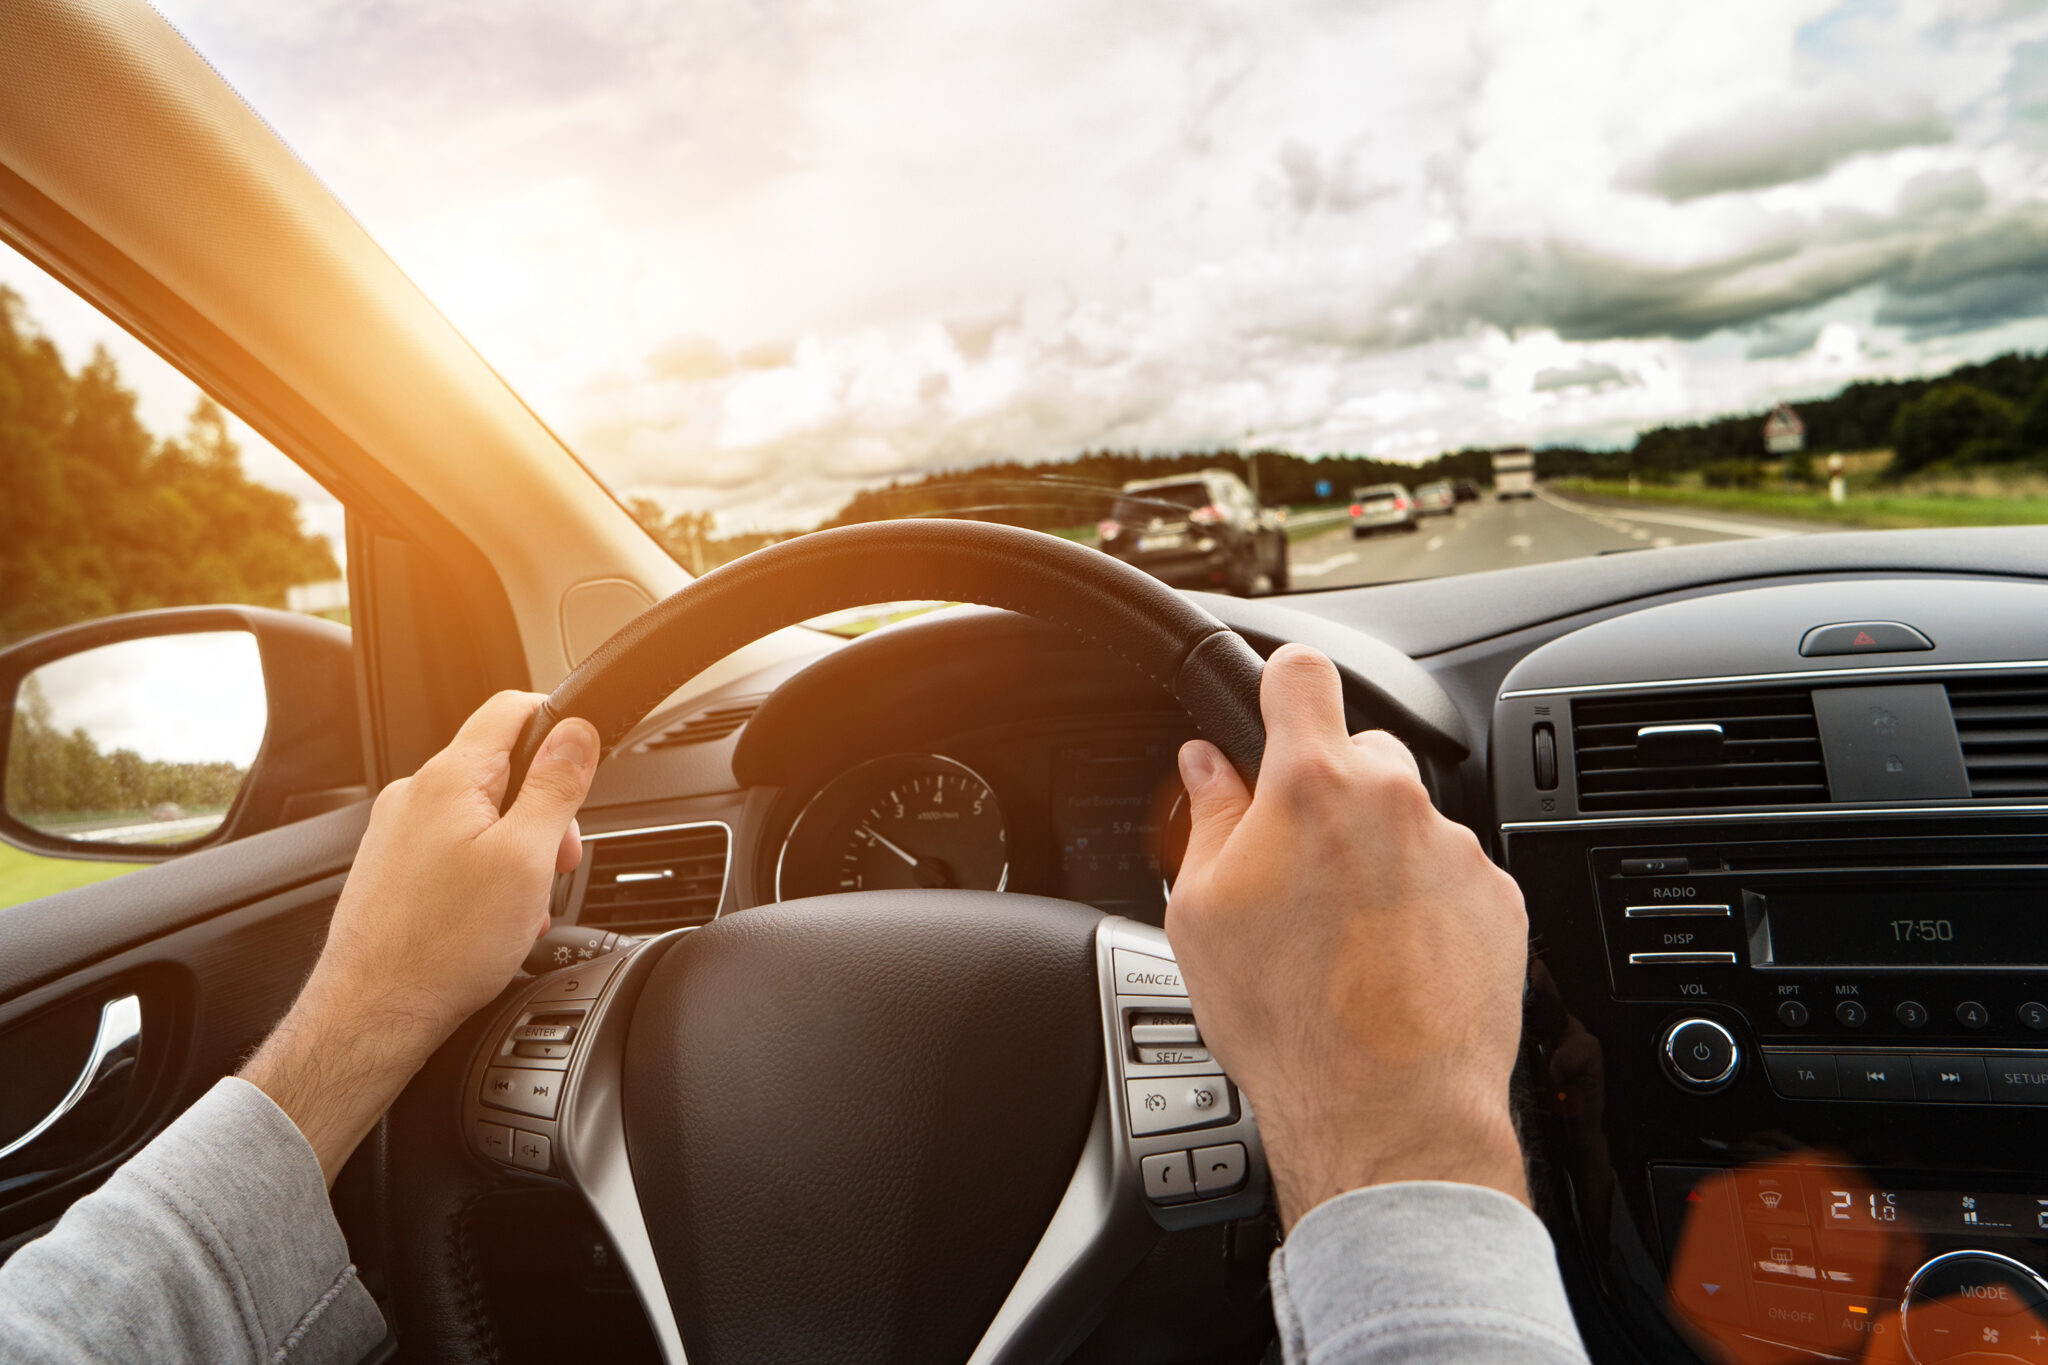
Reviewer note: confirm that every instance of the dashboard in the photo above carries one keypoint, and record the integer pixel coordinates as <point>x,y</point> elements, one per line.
<point>1779,814</point>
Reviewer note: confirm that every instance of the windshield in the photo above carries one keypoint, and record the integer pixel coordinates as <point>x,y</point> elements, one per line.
<point>1628,276</point>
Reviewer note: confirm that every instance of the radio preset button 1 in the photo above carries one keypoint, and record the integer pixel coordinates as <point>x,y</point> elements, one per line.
<point>1910,1014</point>
<point>1971,1014</point>
<point>1851,1014</point>
<point>1792,1014</point>
<point>2034,1015</point>
<point>1701,1054</point>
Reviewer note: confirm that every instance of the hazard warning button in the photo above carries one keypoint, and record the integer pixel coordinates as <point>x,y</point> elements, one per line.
<point>1863,637</point>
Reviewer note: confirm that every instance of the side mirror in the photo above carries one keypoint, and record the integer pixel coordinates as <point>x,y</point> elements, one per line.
<point>139,737</point>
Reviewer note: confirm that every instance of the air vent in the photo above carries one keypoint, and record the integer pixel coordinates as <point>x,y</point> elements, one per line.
<point>1768,752</point>
<point>2003,726</point>
<point>702,728</point>
<point>648,880</point>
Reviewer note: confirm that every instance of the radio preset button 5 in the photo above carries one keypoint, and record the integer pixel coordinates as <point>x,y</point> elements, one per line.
<point>1701,1054</point>
<point>2034,1015</point>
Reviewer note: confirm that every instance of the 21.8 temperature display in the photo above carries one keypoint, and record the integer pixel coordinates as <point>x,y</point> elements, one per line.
<point>1923,931</point>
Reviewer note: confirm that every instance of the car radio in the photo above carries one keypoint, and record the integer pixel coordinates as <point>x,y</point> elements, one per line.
<point>1863,968</point>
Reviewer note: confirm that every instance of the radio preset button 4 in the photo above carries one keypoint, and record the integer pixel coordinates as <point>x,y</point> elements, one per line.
<point>1971,1014</point>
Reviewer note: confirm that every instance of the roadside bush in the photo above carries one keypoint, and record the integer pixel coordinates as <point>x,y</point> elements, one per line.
<point>1733,474</point>
<point>1798,467</point>
<point>2033,428</point>
<point>1945,422</point>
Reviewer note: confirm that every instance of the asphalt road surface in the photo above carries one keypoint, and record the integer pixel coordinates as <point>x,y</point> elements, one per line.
<point>1499,535</point>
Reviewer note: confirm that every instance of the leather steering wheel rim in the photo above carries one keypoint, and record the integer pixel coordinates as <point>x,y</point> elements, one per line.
<point>1207,666</point>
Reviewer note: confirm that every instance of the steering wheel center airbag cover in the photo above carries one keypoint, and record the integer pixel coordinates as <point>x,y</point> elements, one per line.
<point>851,1117</point>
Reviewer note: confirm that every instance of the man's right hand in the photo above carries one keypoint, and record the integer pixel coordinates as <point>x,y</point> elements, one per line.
<point>1354,958</point>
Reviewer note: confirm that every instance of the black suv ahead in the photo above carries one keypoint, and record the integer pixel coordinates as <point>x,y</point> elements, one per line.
<point>1201,530</point>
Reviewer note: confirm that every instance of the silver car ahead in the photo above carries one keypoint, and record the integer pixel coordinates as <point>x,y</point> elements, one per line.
<point>1381,507</point>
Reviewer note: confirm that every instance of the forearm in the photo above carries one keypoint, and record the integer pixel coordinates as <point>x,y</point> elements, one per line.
<point>215,1242</point>
<point>1422,1272</point>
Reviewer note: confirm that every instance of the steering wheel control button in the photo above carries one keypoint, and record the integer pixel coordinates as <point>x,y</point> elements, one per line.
<point>1951,1080</point>
<point>1165,1033</point>
<point>543,1033</point>
<point>543,1052</point>
<point>1168,1177</point>
<point>1167,1104</point>
<point>1160,1038</point>
<point>1971,1014</point>
<point>1803,1075</point>
<point>1792,1014</point>
<point>2034,1015</point>
<point>1910,1014</point>
<point>1143,974</point>
<point>1851,1014</point>
<point>494,1140</point>
<point>1974,1305</point>
<point>1219,1170</point>
<point>1863,637</point>
<point>531,1152</point>
<point>1871,1077</point>
<point>1701,1054</point>
<point>522,1090</point>
<point>581,982</point>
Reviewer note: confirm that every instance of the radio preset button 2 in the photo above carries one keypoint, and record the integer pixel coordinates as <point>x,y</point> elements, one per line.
<point>1851,1014</point>
<point>1910,1014</point>
<point>1702,1055</point>
<point>1971,1014</point>
<point>1792,1014</point>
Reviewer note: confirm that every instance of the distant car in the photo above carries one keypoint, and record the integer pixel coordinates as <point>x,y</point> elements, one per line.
<point>1466,490</point>
<point>1201,530</point>
<point>1437,499</point>
<point>1382,507</point>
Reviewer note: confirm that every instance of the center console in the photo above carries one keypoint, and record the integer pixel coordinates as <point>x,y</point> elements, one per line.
<point>1788,1024</point>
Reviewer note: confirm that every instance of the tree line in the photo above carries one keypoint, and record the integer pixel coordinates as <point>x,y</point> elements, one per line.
<point>54,777</point>
<point>98,517</point>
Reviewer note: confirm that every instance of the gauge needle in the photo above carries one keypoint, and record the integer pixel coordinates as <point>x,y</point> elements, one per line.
<point>910,858</point>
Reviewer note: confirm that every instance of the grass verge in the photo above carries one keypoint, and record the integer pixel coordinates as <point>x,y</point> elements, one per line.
<point>29,876</point>
<point>1874,508</point>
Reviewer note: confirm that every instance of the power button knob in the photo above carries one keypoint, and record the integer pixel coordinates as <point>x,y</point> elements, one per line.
<point>1700,1054</point>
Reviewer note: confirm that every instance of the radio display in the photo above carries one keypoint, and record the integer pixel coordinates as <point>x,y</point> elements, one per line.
<point>1971,924</point>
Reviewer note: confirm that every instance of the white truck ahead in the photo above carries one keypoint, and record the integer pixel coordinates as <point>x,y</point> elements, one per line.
<point>1514,473</point>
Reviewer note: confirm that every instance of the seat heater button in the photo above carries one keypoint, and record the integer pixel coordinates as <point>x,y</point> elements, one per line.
<point>1219,1170</point>
<point>1167,1178</point>
<point>1168,1103</point>
<point>494,1140</point>
<point>1143,974</point>
<point>1863,637</point>
<point>530,1151</point>
<point>527,1092</point>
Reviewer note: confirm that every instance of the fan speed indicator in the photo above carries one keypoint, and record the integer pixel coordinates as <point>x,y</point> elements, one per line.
<point>903,822</point>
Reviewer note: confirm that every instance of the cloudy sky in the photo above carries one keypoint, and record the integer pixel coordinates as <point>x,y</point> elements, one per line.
<point>750,256</point>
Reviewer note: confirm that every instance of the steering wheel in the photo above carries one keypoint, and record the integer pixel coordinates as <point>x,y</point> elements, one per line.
<point>886,1126</point>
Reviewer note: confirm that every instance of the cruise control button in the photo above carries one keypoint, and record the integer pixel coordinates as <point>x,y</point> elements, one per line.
<point>1168,1178</point>
<point>2018,1080</point>
<point>1956,1080</point>
<point>1802,1075</point>
<point>1875,1078</point>
<point>530,1151</point>
<point>1143,974</point>
<point>525,1091</point>
<point>1168,1103</point>
<point>1165,1033</point>
<point>494,1140</point>
<point>1219,1170</point>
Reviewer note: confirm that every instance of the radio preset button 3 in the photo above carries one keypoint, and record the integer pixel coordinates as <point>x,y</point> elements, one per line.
<point>1851,1014</point>
<point>1910,1013</point>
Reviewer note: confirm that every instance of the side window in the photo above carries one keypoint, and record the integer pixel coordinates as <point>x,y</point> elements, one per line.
<point>126,490</point>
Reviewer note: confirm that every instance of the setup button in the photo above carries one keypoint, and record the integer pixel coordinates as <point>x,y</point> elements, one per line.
<point>2018,1080</point>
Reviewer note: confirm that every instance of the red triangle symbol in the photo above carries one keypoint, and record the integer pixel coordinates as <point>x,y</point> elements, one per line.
<point>1693,1197</point>
<point>1863,638</point>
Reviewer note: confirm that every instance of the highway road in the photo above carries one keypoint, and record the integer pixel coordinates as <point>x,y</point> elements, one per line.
<point>1499,535</point>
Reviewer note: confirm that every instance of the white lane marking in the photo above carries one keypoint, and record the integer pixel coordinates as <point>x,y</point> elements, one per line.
<point>1435,543</point>
<point>1714,524</point>
<point>1519,542</point>
<point>1323,566</point>
<point>1662,543</point>
<point>1639,534</point>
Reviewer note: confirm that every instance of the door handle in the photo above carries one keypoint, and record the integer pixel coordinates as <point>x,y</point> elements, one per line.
<point>115,1047</point>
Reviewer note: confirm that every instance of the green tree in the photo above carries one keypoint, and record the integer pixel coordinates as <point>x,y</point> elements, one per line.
<point>98,517</point>
<point>1958,423</point>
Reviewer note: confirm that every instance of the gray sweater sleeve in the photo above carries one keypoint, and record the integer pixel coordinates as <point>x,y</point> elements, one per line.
<point>216,1242</point>
<point>1420,1273</point>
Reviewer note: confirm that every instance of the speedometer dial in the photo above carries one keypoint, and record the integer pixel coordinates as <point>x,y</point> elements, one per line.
<point>897,823</point>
